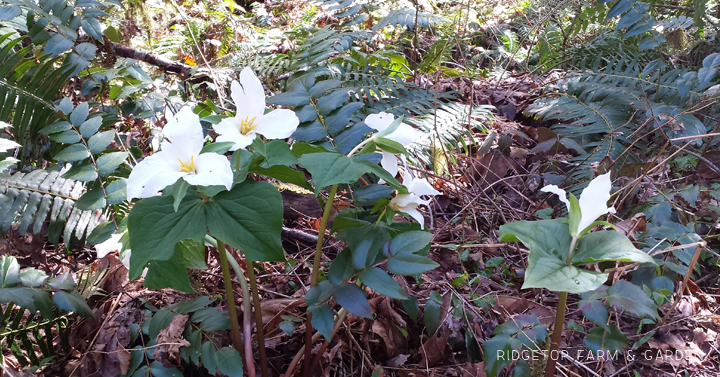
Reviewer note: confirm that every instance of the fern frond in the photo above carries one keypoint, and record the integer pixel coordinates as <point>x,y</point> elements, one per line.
<point>30,199</point>
<point>27,90</point>
<point>407,18</point>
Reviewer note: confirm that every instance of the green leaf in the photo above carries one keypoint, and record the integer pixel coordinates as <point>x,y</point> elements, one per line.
<point>116,192</point>
<point>98,142</point>
<point>607,341</point>
<point>369,195</point>
<point>332,101</point>
<point>218,147</point>
<point>33,277</point>
<point>595,311</point>
<point>157,368</point>
<point>63,282</point>
<point>249,218</point>
<point>319,293</point>
<point>431,316</point>
<point>608,245</point>
<point>179,189</point>
<point>353,299</point>
<point>75,152</point>
<point>82,171</point>
<point>101,233</point>
<point>72,301</point>
<point>91,199</point>
<point>229,362</point>
<point>411,307</point>
<point>410,264</point>
<point>170,273</point>
<point>107,163</point>
<point>66,137</point>
<point>379,281</point>
<point>207,352</point>
<point>549,234</point>
<point>193,252</point>
<point>624,295</point>
<point>330,168</point>
<point>547,269</point>
<point>56,127</point>
<point>322,319</point>
<point>92,27</point>
<point>211,319</point>
<point>365,243</point>
<point>390,145</point>
<point>277,152</point>
<point>410,242</point>
<point>185,307</point>
<point>284,174</point>
<point>9,272</point>
<point>155,227</point>
<point>90,126</point>
<point>341,268</point>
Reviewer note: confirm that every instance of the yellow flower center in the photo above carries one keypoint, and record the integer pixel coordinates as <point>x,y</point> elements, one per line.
<point>247,125</point>
<point>188,167</point>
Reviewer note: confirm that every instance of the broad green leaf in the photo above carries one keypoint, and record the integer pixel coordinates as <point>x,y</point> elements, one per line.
<point>341,268</point>
<point>547,234</point>
<point>211,319</point>
<point>193,253</point>
<point>229,362</point>
<point>62,282</point>
<point>28,298</point>
<point>207,355</point>
<point>332,101</point>
<point>410,242</point>
<point>595,311</point>
<point>33,277</point>
<point>159,321</point>
<point>319,293</point>
<point>92,27</point>
<point>98,142</point>
<point>90,126</point>
<point>155,227</point>
<point>431,316</point>
<point>353,299</point>
<point>322,319</point>
<point>218,147</point>
<point>171,273</point>
<point>390,146</point>
<point>82,171</point>
<point>411,307</point>
<point>607,340</point>
<point>75,152</point>
<point>547,269</point>
<point>277,152</point>
<point>66,137</point>
<point>179,189</point>
<point>365,243</point>
<point>369,195</point>
<point>410,264</point>
<point>608,245</point>
<point>107,163</point>
<point>56,127</point>
<point>284,174</point>
<point>248,218</point>
<point>157,369</point>
<point>116,192</point>
<point>72,301</point>
<point>101,233</point>
<point>624,295</point>
<point>91,199</point>
<point>185,307</point>
<point>330,168</point>
<point>379,281</point>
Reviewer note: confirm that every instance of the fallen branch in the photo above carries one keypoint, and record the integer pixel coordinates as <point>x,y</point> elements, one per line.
<point>165,65</point>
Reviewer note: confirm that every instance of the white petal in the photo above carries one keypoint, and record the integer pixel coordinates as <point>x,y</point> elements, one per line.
<point>415,214</point>
<point>211,169</point>
<point>420,186</point>
<point>229,131</point>
<point>107,247</point>
<point>407,176</point>
<point>379,121</point>
<point>400,202</point>
<point>150,176</point>
<point>593,200</point>
<point>562,195</point>
<point>249,94</point>
<point>404,134</point>
<point>390,163</point>
<point>240,140</point>
<point>277,124</point>
<point>184,130</point>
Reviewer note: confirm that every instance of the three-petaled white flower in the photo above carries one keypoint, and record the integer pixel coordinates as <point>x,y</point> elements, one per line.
<point>179,157</point>
<point>591,205</point>
<point>408,203</point>
<point>250,119</point>
<point>404,134</point>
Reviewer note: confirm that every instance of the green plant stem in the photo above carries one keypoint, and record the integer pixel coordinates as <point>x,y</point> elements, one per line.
<point>316,273</point>
<point>234,323</point>
<point>260,332</point>
<point>230,296</point>
<point>553,353</point>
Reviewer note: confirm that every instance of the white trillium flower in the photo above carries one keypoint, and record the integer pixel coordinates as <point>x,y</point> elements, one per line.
<point>179,157</point>
<point>404,134</point>
<point>408,203</point>
<point>250,119</point>
<point>593,200</point>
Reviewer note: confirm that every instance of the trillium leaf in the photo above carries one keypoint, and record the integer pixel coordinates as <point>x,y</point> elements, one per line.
<point>283,173</point>
<point>171,273</point>
<point>156,227</point>
<point>249,218</point>
<point>330,168</point>
<point>547,269</point>
<point>547,234</point>
<point>608,245</point>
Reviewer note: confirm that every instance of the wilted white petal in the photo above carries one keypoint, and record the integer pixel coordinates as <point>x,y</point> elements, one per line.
<point>379,121</point>
<point>389,162</point>
<point>211,169</point>
<point>562,195</point>
<point>150,176</point>
<point>277,124</point>
<point>593,200</point>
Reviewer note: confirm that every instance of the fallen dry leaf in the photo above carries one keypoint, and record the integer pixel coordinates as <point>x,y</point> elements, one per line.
<point>170,339</point>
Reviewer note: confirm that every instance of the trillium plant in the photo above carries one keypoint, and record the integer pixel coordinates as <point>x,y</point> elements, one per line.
<point>560,248</point>
<point>195,192</point>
